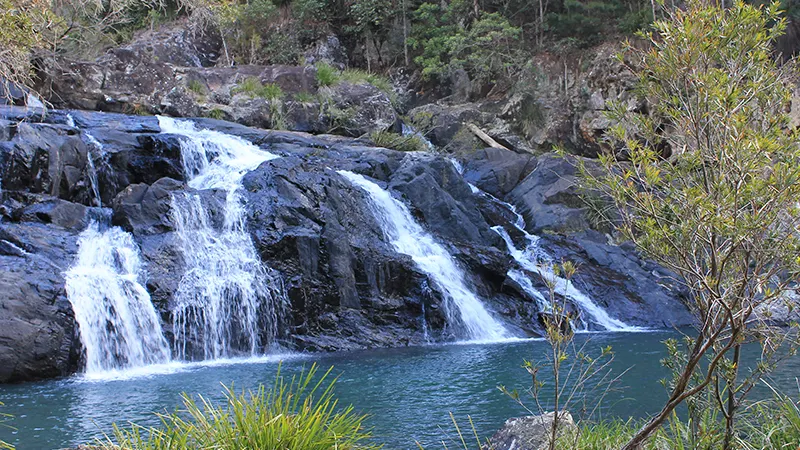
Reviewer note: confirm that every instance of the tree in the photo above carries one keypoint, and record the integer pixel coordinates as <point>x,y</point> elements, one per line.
<point>707,183</point>
<point>20,32</point>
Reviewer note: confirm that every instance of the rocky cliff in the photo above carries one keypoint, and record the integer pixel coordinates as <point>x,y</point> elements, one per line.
<point>346,286</point>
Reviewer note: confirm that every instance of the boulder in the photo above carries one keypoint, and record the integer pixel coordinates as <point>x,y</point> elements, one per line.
<point>531,432</point>
<point>548,197</point>
<point>497,171</point>
<point>446,121</point>
<point>327,50</point>
<point>356,109</point>
<point>37,331</point>
<point>145,210</point>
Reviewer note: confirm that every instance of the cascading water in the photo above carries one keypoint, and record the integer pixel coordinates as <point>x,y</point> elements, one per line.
<point>535,259</point>
<point>408,130</point>
<point>118,325</point>
<point>409,238</point>
<point>92,171</point>
<point>227,299</point>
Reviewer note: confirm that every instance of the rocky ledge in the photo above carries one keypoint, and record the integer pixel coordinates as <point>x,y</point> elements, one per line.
<point>346,286</point>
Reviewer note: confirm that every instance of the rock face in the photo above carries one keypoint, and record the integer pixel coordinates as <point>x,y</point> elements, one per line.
<point>173,72</point>
<point>346,285</point>
<point>36,323</point>
<point>531,432</point>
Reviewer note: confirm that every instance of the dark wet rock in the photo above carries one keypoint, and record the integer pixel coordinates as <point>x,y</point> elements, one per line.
<point>347,286</point>
<point>531,432</point>
<point>36,326</point>
<point>144,209</point>
<point>548,197</point>
<point>64,214</point>
<point>309,223</point>
<point>629,288</point>
<point>497,171</point>
<point>442,197</point>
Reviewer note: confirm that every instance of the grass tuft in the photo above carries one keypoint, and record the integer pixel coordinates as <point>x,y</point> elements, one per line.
<point>327,75</point>
<point>196,86</point>
<point>300,413</point>
<point>305,97</point>
<point>411,143</point>
<point>252,86</point>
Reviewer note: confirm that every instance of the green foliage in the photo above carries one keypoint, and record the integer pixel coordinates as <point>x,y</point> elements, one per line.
<point>299,413</point>
<point>21,24</point>
<point>708,188</point>
<point>602,435</point>
<point>252,86</point>
<point>216,113</point>
<point>326,75</point>
<point>487,49</point>
<point>3,419</point>
<point>462,441</point>
<point>411,143</point>
<point>773,424</point>
<point>196,86</point>
<point>585,22</point>
<point>305,97</point>
<point>370,15</point>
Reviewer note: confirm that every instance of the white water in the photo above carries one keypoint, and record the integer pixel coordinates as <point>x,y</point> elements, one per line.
<point>118,325</point>
<point>409,238</point>
<point>408,130</point>
<point>92,171</point>
<point>534,259</point>
<point>227,299</point>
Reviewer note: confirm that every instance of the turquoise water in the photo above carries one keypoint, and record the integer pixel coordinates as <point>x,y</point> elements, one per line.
<point>409,392</point>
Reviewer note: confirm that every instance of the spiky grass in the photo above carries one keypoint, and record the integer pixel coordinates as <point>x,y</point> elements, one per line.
<point>327,75</point>
<point>253,87</point>
<point>411,143</point>
<point>300,414</point>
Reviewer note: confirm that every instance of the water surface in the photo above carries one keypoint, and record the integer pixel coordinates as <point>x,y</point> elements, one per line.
<point>409,392</point>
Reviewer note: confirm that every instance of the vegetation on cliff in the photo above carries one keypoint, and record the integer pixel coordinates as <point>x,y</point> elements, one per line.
<point>491,41</point>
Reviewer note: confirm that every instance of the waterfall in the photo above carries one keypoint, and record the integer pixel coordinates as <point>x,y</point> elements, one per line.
<point>227,298</point>
<point>409,238</point>
<point>92,170</point>
<point>118,325</point>
<point>92,143</point>
<point>408,130</point>
<point>534,259</point>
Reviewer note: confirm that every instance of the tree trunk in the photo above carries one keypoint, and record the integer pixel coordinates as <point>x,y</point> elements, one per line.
<point>730,414</point>
<point>405,33</point>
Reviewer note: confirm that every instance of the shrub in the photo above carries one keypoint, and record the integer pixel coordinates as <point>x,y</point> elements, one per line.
<point>411,143</point>
<point>252,86</point>
<point>196,86</point>
<point>709,189</point>
<point>300,413</point>
<point>326,75</point>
